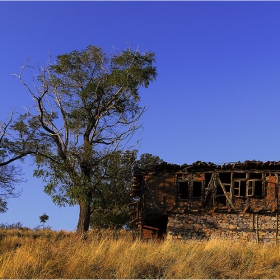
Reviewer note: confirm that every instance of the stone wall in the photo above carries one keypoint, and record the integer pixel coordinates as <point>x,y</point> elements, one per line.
<point>237,227</point>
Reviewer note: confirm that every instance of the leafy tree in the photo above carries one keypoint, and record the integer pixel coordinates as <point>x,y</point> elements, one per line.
<point>87,107</point>
<point>43,218</point>
<point>16,142</point>
<point>110,208</point>
<point>110,205</point>
<point>146,160</point>
<point>9,177</point>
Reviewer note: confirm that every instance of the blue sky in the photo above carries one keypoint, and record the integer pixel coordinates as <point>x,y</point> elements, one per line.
<point>216,97</point>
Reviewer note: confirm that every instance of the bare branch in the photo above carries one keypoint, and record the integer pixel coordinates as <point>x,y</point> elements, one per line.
<point>16,158</point>
<point>5,126</point>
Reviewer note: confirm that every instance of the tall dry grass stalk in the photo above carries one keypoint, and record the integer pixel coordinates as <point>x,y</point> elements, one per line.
<point>106,254</point>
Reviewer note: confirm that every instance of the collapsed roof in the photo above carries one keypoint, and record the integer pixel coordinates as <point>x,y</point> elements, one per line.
<point>204,166</point>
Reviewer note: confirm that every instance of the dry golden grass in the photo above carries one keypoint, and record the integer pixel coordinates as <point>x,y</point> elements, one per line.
<point>48,254</point>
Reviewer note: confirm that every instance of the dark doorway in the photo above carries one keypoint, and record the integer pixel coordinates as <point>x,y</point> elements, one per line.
<point>155,228</point>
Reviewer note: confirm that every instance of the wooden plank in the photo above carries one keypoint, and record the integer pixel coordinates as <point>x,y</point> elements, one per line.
<point>225,192</point>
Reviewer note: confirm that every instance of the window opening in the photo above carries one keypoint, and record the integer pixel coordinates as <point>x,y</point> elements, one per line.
<point>255,175</point>
<point>183,190</point>
<point>197,189</point>
<point>250,190</point>
<point>207,179</point>
<point>225,177</point>
<point>239,175</point>
<point>255,188</point>
<point>240,188</point>
<point>220,190</point>
<point>227,187</point>
<point>258,188</point>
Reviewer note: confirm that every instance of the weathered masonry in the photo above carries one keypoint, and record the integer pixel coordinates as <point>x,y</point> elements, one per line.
<point>238,201</point>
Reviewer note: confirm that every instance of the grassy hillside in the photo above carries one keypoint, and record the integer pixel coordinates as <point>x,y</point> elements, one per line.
<point>46,254</point>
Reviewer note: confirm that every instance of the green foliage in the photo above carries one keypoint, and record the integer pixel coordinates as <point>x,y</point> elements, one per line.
<point>17,225</point>
<point>18,138</point>
<point>43,218</point>
<point>9,178</point>
<point>3,205</point>
<point>110,206</point>
<point>87,109</point>
<point>147,160</point>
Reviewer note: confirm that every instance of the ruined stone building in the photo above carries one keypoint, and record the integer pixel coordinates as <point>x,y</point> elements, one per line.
<point>237,201</point>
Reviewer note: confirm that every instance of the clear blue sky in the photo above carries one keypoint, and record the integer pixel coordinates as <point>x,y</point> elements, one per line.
<point>216,97</point>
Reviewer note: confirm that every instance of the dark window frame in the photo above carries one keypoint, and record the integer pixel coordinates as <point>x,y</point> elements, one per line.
<point>183,195</point>
<point>241,189</point>
<point>201,190</point>
<point>252,186</point>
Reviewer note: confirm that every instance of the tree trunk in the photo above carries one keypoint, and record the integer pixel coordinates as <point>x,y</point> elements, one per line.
<point>84,218</point>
